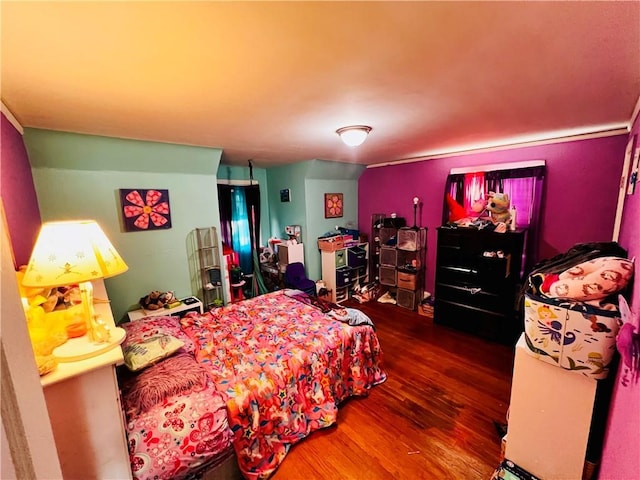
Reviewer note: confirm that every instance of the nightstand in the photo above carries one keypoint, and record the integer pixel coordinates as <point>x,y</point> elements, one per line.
<point>189,304</point>
<point>83,401</point>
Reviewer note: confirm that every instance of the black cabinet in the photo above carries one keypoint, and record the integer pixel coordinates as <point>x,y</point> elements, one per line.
<point>478,276</point>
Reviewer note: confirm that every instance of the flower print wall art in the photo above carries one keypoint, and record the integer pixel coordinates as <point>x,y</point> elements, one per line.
<point>333,205</point>
<point>145,209</point>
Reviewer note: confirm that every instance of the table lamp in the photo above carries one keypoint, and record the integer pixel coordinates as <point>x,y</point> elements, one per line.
<point>77,252</point>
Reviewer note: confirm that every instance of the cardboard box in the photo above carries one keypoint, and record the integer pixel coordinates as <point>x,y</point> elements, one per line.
<point>407,280</point>
<point>331,244</point>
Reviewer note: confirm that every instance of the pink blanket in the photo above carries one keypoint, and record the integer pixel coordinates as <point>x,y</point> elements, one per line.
<point>283,368</point>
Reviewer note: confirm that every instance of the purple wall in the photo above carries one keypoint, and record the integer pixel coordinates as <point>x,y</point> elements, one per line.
<point>581,191</point>
<point>18,193</point>
<point>621,454</point>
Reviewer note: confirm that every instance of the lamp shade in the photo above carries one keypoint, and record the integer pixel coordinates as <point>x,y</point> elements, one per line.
<point>354,135</point>
<point>71,252</point>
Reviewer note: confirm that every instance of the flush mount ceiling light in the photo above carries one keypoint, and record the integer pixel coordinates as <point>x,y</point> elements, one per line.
<point>354,135</point>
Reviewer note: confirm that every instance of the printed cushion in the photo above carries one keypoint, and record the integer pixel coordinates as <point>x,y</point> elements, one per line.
<point>589,281</point>
<point>139,330</point>
<point>150,351</point>
<point>174,375</point>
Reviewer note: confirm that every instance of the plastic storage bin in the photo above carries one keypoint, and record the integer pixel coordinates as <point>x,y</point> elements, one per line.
<point>357,257</point>
<point>574,336</point>
<point>343,276</point>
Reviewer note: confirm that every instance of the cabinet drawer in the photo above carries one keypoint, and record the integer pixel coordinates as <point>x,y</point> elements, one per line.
<point>343,276</point>
<point>388,256</point>
<point>407,280</point>
<point>457,275</point>
<point>469,319</point>
<point>387,276</point>
<point>473,296</point>
<point>341,258</point>
<point>472,277</point>
<point>357,257</point>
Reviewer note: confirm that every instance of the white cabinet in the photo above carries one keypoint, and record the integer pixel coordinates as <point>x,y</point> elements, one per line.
<point>549,417</point>
<point>83,400</point>
<point>345,268</point>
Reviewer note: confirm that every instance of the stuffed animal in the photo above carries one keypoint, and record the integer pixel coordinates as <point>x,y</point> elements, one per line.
<point>456,211</point>
<point>498,205</point>
<point>156,300</point>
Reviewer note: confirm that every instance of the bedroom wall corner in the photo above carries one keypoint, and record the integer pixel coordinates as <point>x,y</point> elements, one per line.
<point>85,185</point>
<point>287,213</point>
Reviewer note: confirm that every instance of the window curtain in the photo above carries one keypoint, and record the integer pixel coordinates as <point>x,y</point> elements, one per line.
<point>525,189</point>
<point>240,221</point>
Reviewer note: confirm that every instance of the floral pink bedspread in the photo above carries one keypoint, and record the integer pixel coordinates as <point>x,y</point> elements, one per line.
<point>183,434</point>
<point>283,367</point>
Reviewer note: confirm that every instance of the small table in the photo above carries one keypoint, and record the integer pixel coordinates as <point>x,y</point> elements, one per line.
<point>194,305</point>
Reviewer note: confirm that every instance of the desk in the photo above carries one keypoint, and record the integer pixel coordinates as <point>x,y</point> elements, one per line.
<point>273,276</point>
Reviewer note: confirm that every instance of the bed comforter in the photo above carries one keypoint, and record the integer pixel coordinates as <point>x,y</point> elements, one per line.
<point>283,367</point>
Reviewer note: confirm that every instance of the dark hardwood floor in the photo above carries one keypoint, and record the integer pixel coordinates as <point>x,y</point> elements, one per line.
<point>432,419</point>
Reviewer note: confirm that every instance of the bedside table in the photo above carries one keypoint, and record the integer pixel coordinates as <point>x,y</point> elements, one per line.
<point>83,401</point>
<point>194,305</point>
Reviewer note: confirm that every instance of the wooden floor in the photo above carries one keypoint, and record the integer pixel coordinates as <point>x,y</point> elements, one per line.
<point>432,419</point>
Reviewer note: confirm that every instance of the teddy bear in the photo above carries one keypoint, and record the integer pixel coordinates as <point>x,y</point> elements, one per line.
<point>156,300</point>
<point>498,206</point>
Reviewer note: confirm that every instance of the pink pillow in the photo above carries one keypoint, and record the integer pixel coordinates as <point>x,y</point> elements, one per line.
<point>140,330</point>
<point>177,374</point>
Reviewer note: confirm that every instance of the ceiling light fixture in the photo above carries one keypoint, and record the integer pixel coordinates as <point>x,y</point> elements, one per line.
<point>354,135</point>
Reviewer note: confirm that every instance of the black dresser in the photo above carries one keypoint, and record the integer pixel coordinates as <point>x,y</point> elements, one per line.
<point>478,278</point>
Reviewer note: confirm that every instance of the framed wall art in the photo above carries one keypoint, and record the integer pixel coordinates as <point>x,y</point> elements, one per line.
<point>145,209</point>
<point>333,205</point>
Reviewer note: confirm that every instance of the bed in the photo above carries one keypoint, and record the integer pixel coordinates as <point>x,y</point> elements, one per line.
<point>265,373</point>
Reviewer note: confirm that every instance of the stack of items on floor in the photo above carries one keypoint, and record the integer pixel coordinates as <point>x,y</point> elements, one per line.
<point>572,316</point>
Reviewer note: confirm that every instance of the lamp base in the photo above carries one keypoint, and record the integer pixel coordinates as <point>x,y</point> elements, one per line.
<point>81,348</point>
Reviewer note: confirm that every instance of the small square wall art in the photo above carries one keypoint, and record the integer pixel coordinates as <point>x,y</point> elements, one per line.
<point>145,209</point>
<point>333,205</point>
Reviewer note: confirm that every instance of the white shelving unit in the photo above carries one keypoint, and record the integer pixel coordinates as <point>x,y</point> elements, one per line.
<point>210,271</point>
<point>345,268</point>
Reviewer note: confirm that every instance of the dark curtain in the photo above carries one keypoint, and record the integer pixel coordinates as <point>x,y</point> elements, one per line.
<point>252,195</point>
<point>454,186</point>
<point>226,205</point>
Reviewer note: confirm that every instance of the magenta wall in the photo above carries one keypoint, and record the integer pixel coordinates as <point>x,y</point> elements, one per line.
<point>621,453</point>
<point>18,193</point>
<point>581,191</point>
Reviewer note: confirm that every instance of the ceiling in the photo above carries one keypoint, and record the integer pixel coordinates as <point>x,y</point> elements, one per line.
<point>272,81</point>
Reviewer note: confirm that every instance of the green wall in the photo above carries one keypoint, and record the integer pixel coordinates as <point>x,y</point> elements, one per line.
<point>308,182</point>
<point>293,212</point>
<point>78,176</point>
